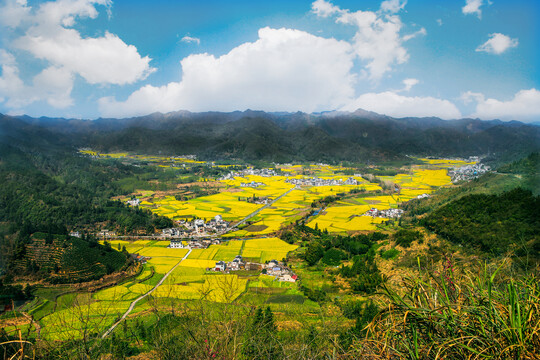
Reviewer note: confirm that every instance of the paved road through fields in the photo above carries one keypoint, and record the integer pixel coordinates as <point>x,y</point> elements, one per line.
<point>264,207</point>
<point>132,306</point>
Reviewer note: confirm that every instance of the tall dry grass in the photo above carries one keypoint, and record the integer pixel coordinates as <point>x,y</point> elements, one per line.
<point>475,315</point>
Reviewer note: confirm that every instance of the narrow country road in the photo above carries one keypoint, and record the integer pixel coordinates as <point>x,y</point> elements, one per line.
<point>262,208</point>
<point>132,306</point>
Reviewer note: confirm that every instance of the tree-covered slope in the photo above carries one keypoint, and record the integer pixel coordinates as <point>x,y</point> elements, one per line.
<point>493,223</point>
<point>63,259</point>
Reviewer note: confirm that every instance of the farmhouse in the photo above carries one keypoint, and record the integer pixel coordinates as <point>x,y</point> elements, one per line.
<point>133,202</point>
<point>176,244</point>
<point>220,266</point>
<point>106,233</point>
<point>236,264</point>
<point>171,232</point>
<point>288,278</point>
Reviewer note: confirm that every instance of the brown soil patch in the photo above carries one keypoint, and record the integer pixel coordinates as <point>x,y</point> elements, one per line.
<point>203,184</point>
<point>289,325</point>
<point>255,228</point>
<point>270,291</point>
<point>233,190</point>
<point>17,321</point>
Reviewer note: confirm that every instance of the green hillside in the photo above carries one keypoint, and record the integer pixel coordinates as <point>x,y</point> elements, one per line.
<point>64,259</point>
<point>492,223</point>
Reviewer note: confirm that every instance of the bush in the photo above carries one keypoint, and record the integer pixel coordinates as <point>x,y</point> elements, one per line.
<point>405,237</point>
<point>333,257</point>
<point>390,254</point>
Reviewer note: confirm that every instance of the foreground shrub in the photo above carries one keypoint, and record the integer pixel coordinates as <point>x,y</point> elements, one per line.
<point>442,316</point>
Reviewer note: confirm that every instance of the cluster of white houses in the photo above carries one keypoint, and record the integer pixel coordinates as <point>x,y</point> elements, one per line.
<point>315,181</point>
<point>272,268</point>
<point>467,172</point>
<point>388,213</point>
<point>197,228</point>
<point>252,184</point>
<point>193,243</point>
<point>243,173</point>
<point>133,202</point>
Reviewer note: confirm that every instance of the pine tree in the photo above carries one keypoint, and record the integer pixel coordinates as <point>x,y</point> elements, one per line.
<point>260,337</point>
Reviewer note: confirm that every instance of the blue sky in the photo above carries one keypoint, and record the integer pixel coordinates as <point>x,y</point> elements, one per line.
<point>103,58</point>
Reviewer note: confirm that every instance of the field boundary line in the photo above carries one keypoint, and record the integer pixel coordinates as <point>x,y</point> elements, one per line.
<point>132,306</point>
<point>264,207</point>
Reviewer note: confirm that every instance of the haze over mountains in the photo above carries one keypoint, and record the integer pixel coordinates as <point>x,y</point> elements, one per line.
<point>281,137</point>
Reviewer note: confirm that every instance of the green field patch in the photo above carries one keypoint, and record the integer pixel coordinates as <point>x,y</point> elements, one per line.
<point>286,298</point>
<point>256,228</point>
<point>226,254</point>
<point>267,290</point>
<point>153,281</point>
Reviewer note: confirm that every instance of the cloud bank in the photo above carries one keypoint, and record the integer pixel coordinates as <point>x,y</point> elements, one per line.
<point>524,106</point>
<point>284,70</point>
<point>395,105</point>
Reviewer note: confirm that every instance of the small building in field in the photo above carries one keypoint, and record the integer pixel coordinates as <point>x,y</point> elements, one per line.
<point>220,266</point>
<point>176,244</point>
<point>133,202</point>
<point>288,278</point>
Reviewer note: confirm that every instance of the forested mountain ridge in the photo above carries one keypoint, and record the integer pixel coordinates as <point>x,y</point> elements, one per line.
<point>47,187</point>
<point>256,135</point>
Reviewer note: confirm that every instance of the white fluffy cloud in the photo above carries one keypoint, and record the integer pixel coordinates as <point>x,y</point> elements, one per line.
<point>189,39</point>
<point>497,44</point>
<point>48,35</point>
<point>395,105</point>
<point>377,41</point>
<point>13,13</point>
<point>52,85</point>
<point>473,7</point>
<point>284,70</point>
<point>10,83</point>
<point>409,83</point>
<point>103,60</point>
<point>99,60</point>
<point>524,106</point>
<point>393,6</point>
<point>325,9</point>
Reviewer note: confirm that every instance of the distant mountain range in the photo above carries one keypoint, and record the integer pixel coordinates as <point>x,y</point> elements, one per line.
<point>255,135</point>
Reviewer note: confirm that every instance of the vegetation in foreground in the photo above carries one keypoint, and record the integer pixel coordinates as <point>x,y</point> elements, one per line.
<point>361,296</point>
<point>478,314</point>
